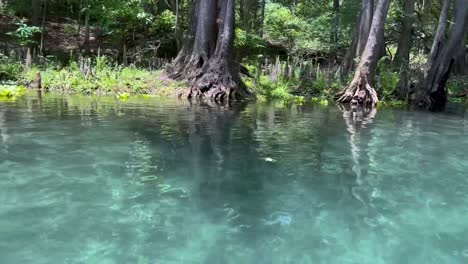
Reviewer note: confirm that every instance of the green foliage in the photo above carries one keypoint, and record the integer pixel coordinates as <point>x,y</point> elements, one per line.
<point>124,96</point>
<point>11,92</point>
<point>388,78</point>
<point>105,78</point>
<point>281,25</point>
<point>248,41</point>
<point>9,69</point>
<point>270,90</point>
<point>457,84</point>
<point>164,24</point>
<point>24,34</point>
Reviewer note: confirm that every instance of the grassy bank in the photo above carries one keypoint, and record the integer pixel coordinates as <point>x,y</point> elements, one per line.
<point>100,76</point>
<point>90,77</point>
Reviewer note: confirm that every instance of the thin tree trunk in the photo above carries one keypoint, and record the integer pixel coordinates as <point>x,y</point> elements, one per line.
<point>404,43</point>
<point>432,93</point>
<point>43,27</point>
<point>87,29</point>
<point>334,34</point>
<point>124,54</point>
<point>177,34</point>
<point>360,91</point>
<point>79,24</point>
<point>36,12</point>
<point>360,36</point>
<point>262,17</point>
<point>402,56</point>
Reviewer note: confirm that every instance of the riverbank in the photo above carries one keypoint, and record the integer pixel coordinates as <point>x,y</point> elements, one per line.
<point>101,77</point>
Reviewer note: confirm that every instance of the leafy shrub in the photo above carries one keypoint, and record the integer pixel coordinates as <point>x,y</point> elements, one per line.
<point>271,90</point>
<point>24,34</point>
<point>388,78</point>
<point>104,79</point>
<point>10,70</point>
<point>248,41</point>
<point>281,25</point>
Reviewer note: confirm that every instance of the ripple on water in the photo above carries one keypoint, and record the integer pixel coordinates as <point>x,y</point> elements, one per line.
<point>166,182</point>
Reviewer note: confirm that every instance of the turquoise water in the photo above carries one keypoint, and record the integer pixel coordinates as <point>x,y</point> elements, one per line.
<point>161,181</point>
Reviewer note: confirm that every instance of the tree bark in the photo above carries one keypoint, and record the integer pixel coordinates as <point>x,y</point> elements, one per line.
<point>262,17</point>
<point>87,29</point>
<point>360,91</point>
<point>432,93</point>
<point>44,13</point>
<point>207,59</point>
<point>360,36</point>
<point>404,43</point>
<point>402,56</point>
<point>461,63</point>
<point>439,39</point>
<point>35,12</point>
<point>334,33</point>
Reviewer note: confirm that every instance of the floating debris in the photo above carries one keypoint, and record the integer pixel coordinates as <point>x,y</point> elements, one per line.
<point>270,159</point>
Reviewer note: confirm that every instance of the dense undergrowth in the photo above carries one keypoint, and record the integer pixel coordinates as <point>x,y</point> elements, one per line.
<point>324,85</point>
<point>100,76</point>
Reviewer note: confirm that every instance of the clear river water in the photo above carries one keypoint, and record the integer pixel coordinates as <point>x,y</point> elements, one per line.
<point>98,180</point>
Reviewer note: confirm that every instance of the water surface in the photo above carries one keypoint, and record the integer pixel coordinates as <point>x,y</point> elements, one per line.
<point>161,181</point>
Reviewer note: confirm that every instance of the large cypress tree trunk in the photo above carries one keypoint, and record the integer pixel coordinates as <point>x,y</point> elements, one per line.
<point>432,93</point>
<point>439,39</point>
<point>207,58</point>
<point>360,90</point>
<point>402,56</point>
<point>360,36</point>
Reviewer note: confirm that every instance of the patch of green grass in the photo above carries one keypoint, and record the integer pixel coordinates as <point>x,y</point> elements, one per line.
<point>103,79</point>
<point>10,70</point>
<point>273,91</point>
<point>388,78</point>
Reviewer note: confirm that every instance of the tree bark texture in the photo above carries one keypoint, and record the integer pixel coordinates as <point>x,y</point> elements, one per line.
<point>36,12</point>
<point>360,91</point>
<point>432,92</point>
<point>360,36</point>
<point>207,58</point>
<point>402,56</point>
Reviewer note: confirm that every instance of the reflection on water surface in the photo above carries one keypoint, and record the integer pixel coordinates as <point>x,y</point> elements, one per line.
<point>159,181</point>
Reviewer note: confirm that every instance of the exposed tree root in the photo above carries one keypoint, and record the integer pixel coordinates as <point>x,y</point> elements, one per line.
<point>359,92</point>
<point>219,83</point>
